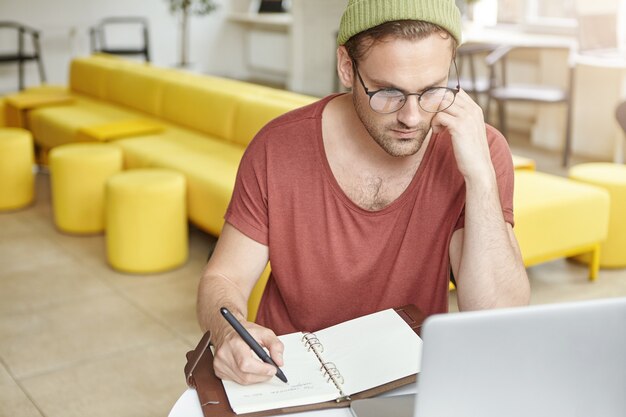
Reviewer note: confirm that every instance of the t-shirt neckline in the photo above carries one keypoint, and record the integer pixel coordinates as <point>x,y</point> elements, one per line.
<point>330,177</point>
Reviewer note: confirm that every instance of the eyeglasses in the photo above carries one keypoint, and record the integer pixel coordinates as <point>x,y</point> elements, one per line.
<point>431,100</point>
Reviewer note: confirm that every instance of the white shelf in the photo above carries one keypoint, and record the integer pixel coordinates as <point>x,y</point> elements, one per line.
<point>278,20</point>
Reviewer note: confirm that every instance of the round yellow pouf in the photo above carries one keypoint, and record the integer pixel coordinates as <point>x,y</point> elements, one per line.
<point>78,173</point>
<point>611,177</point>
<point>146,220</point>
<point>16,168</point>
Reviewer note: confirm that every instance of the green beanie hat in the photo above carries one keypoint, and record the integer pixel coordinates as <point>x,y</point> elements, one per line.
<point>361,15</point>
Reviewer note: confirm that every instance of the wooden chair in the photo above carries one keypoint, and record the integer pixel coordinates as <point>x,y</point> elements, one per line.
<point>98,37</point>
<point>21,54</point>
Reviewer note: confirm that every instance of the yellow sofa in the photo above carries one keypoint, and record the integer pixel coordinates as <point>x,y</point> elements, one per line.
<point>205,123</point>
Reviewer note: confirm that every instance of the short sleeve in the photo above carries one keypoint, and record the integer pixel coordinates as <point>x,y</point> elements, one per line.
<point>247,210</point>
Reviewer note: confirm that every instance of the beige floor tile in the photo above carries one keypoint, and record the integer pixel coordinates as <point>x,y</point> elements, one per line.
<point>178,310</point>
<point>76,331</point>
<point>143,382</point>
<point>563,280</point>
<point>200,244</point>
<point>13,400</point>
<point>29,251</point>
<point>119,279</point>
<point>11,225</point>
<point>35,288</point>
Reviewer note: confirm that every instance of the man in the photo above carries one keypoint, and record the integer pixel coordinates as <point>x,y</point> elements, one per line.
<point>366,200</point>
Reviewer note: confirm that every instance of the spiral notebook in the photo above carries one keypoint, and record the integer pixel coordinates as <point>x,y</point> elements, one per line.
<point>329,368</point>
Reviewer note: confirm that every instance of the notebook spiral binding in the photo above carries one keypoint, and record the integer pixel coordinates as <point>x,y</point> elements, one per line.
<point>312,342</point>
<point>328,369</point>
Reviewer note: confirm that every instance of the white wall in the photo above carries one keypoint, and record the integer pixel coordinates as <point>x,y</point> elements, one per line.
<point>313,55</point>
<point>215,45</point>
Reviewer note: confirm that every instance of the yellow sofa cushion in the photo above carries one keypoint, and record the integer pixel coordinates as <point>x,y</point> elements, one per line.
<point>556,217</point>
<point>105,132</point>
<point>53,126</point>
<point>204,107</point>
<point>153,150</point>
<point>209,164</point>
<point>253,112</point>
<point>89,75</point>
<point>138,87</point>
<point>209,195</point>
<point>18,105</point>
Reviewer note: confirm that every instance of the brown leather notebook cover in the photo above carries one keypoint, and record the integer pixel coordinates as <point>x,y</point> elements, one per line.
<point>199,375</point>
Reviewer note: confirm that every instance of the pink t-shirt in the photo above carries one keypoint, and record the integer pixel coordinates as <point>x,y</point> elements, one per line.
<point>332,260</point>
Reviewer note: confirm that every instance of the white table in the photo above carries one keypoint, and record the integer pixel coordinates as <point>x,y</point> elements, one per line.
<point>188,405</point>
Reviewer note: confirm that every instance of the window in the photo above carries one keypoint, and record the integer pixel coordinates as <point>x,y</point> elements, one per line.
<point>548,14</point>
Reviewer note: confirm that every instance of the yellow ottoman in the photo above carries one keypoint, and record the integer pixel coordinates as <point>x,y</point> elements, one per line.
<point>146,220</point>
<point>78,173</point>
<point>611,177</point>
<point>16,168</point>
<point>556,217</point>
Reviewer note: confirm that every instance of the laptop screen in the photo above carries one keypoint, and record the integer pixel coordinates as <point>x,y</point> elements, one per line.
<point>558,360</point>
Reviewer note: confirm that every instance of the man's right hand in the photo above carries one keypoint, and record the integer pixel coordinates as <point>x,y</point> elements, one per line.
<point>235,361</point>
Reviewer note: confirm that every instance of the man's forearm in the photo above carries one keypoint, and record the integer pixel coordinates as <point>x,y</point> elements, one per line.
<point>216,291</point>
<point>491,271</point>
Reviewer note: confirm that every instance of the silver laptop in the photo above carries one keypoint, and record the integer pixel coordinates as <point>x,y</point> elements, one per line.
<point>558,360</point>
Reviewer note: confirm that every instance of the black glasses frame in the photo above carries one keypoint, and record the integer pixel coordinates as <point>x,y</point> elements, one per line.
<point>406,95</point>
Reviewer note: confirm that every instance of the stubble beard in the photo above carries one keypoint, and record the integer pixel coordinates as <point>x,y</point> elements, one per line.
<point>393,146</point>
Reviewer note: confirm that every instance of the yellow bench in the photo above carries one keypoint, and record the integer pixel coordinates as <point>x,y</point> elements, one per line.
<point>556,217</point>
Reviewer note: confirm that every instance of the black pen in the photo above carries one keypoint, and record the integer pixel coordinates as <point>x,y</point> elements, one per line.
<point>254,345</point>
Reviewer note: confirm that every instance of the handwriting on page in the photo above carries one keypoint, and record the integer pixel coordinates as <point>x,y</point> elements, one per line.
<point>290,388</point>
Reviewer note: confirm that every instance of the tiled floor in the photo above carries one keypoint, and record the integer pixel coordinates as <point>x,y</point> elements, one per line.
<point>78,339</point>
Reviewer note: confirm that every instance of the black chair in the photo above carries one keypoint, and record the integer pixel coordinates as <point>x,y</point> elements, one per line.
<point>502,91</point>
<point>473,73</point>
<point>22,54</point>
<point>99,42</point>
<point>620,115</point>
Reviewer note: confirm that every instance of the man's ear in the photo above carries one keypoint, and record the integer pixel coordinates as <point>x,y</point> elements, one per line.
<point>345,69</point>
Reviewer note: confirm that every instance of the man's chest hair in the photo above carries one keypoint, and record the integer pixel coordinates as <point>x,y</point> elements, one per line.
<point>373,191</point>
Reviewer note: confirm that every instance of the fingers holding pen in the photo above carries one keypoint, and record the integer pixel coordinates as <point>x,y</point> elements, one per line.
<point>241,355</point>
<point>269,339</point>
<point>235,361</point>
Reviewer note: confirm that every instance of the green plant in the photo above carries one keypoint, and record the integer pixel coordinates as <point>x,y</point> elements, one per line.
<point>186,8</point>
<point>196,7</point>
